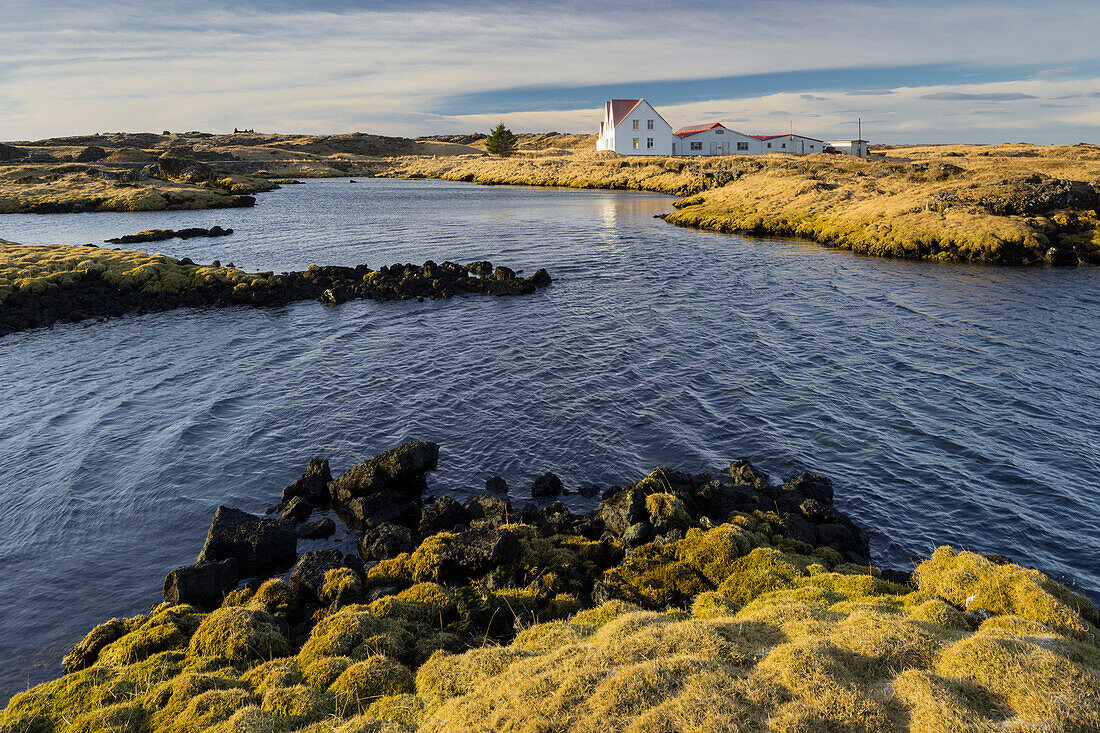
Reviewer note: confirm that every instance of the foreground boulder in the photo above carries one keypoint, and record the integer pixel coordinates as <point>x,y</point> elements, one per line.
<point>313,485</point>
<point>255,543</point>
<point>387,487</point>
<point>203,584</point>
<point>399,470</point>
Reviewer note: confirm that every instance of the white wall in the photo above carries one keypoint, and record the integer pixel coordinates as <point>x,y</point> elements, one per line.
<point>793,145</point>
<point>621,138</point>
<point>719,141</point>
<point>851,147</point>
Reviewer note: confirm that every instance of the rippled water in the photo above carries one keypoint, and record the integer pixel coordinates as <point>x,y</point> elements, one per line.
<point>950,404</point>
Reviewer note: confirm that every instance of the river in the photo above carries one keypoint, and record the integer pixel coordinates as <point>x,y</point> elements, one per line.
<point>950,404</point>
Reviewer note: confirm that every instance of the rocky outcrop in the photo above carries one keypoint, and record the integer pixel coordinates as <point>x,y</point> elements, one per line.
<point>385,540</point>
<point>9,153</point>
<point>90,154</point>
<point>255,543</point>
<point>159,235</point>
<point>174,166</point>
<point>388,486</point>
<point>804,506</point>
<point>313,485</point>
<point>95,293</point>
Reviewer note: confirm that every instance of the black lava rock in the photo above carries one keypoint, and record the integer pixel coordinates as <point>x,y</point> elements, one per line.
<point>203,584</point>
<point>318,530</point>
<point>385,540</point>
<point>546,485</point>
<point>255,543</point>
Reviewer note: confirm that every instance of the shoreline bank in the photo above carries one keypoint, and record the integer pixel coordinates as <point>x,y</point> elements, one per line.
<point>998,205</point>
<point>673,587</point>
<point>45,284</point>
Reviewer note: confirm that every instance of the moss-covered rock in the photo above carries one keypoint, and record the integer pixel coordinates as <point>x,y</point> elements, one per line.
<point>364,682</point>
<point>240,635</point>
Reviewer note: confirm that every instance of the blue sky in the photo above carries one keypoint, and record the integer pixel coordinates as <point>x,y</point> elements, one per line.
<point>913,71</point>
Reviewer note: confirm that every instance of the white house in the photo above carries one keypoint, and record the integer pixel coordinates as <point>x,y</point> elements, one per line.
<point>713,139</point>
<point>633,127</point>
<point>790,144</point>
<point>857,148</point>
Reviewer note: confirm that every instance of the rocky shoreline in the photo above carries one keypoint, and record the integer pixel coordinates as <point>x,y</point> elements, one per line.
<point>679,602</point>
<point>92,284</point>
<point>383,499</point>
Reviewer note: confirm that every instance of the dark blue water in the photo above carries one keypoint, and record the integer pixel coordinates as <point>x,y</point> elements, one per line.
<point>950,404</point>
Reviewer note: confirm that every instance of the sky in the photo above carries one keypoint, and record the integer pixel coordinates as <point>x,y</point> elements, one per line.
<point>928,71</point>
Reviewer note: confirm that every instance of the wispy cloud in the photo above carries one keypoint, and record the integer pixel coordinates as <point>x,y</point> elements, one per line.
<point>1048,73</point>
<point>977,97</point>
<point>868,92</point>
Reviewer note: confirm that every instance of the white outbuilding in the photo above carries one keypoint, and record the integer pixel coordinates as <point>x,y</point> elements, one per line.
<point>857,148</point>
<point>790,144</point>
<point>713,138</point>
<point>633,127</point>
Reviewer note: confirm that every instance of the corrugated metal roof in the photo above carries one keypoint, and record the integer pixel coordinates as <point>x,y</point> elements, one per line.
<point>690,130</point>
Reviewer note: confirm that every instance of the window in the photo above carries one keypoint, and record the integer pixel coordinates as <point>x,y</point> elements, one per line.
<point>635,146</point>
<point>649,124</point>
<point>697,146</point>
<point>811,146</point>
<point>635,124</point>
<point>784,146</point>
<point>649,142</point>
<point>742,146</point>
<point>769,145</point>
<point>719,132</point>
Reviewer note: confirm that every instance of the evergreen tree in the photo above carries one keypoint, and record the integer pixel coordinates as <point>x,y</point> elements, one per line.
<point>501,141</point>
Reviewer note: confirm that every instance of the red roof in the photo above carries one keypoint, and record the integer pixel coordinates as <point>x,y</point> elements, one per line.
<point>786,134</point>
<point>696,129</point>
<point>620,108</point>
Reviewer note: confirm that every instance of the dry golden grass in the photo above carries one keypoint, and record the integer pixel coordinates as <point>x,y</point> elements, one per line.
<point>788,642</point>
<point>39,268</point>
<point>76,187</point>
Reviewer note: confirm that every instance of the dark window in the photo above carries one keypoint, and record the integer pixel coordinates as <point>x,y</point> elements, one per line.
<point>649,124</point>
<point>697,146</point>
<point>742,146</point>
<point>719,132</point>
<point>635,124</point>
<point>649,142</point>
